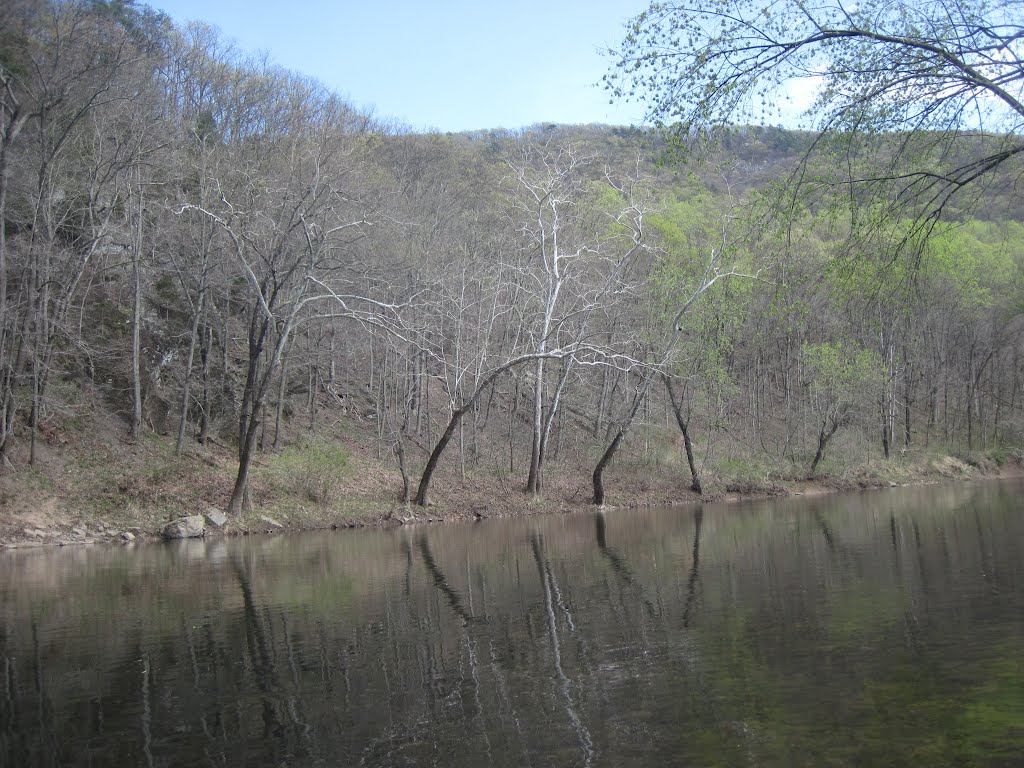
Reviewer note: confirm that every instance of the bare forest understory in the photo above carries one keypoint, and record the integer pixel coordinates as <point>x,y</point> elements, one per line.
<point>223,286</point>
<point>93,484</point>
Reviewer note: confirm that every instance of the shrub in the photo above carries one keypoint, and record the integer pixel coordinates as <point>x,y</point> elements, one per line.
<point>313,470</point>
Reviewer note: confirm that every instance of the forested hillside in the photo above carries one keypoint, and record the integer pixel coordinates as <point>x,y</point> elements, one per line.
<point>221,284</point>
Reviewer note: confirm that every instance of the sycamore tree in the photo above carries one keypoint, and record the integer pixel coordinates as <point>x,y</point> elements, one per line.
<point>914,103</point>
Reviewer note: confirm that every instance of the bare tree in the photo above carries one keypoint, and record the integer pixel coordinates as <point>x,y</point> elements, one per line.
<point>712,273</point>
<point>577,261</point>
<point>283,210</point>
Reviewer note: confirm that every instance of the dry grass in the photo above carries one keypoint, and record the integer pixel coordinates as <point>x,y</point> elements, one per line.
<point>89,476</point>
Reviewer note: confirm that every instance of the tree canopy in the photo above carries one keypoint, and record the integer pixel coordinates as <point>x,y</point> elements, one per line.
<point>925,73</point>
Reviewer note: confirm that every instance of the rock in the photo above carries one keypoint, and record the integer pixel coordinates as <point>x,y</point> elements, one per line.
<point>215,518</point>
<point>271,521</point>
<point>31,532</point>
<point>78,530</point>
<point>185,528</point>
<point>127,536</point>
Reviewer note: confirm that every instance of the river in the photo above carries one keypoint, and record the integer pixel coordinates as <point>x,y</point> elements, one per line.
<point>883,628</point>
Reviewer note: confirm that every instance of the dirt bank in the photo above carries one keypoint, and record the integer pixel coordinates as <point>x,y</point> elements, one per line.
<point>106,490</point>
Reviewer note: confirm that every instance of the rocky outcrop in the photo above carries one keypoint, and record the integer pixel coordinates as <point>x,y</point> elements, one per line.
<point>185,528</point>
<point>215,518</point>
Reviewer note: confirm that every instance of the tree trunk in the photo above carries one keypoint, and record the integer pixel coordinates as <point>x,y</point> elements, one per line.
<point>186,386</point>
<point>406,483</point>
<point>136,423</point>
<point>598,477</point>
<point>205,351</point>
<point>684,427</point>
<point>823,438</point>
<point>435,455</point>
<point>240,501</point>
<point>533,480</point>
<point>554,412</point>
<point>248,412</point>
<point>453,423</point>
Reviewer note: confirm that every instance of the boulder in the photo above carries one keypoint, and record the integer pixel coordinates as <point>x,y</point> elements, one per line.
<point>215,518</point>
<point>185,528</point>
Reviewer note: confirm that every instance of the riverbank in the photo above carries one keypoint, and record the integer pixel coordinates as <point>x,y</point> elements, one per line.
<point>103,489</point>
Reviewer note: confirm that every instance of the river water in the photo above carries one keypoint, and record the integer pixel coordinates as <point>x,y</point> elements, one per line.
<point>884,628</point>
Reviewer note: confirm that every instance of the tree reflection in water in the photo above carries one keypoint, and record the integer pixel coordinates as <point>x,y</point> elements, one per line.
<point>875,629</point>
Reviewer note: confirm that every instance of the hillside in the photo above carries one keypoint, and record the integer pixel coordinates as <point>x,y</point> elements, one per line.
<point>221,285</point>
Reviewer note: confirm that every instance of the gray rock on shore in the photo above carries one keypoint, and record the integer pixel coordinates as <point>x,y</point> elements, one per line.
<point>190,527</point>
<point>215,518</point>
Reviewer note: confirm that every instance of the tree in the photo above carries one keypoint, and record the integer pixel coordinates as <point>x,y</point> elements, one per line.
<point>285,211</point>
<point>937,84</point>
<point>578,260</point>
<point>685,299</point>
<point>841,382</point>
<point>682,414</point>
<point>60,64</point>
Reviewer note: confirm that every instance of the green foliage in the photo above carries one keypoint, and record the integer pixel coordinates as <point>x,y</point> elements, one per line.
<point>841,371</point>
<point>687,229</point>
<point>892,89</point>
<point>975,260</point>
<point>313,470</point>
<point>166,289</point>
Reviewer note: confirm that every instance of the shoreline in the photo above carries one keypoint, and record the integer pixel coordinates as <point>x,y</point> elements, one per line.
<point>263,522</point>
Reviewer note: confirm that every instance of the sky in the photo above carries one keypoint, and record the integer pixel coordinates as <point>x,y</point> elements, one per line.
<point>442,65</point>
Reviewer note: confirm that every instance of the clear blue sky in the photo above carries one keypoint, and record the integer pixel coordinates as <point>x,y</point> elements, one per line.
<point>450,66</point>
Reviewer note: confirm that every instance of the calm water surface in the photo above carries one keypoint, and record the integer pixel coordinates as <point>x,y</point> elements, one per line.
<point>880,629</point>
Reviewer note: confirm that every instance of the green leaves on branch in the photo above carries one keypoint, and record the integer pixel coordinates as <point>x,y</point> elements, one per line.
<point>841,375</point>
<point>870,66</point>
<point>913,101</point>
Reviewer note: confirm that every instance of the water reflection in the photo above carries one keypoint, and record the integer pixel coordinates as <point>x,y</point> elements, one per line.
<point>878,629</point>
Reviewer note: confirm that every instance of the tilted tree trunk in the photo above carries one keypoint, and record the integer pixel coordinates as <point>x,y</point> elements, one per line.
<point>456,416</point>
<point>711,276</point>
<point>828,429</point>
<point>597,478</point>
<point>684,427</point>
